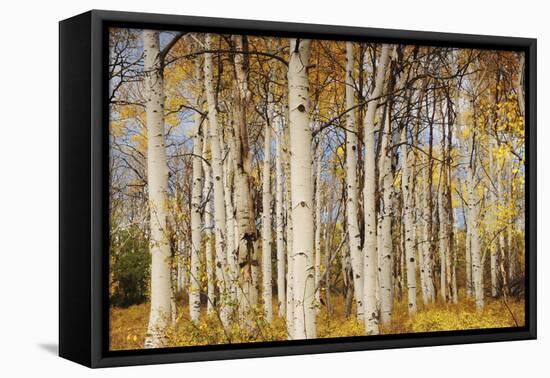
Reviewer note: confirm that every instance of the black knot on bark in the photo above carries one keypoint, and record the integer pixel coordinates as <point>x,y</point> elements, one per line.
<point>301,108</point>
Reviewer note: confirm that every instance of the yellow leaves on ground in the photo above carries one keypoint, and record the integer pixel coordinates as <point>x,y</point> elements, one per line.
<point>128,325</point>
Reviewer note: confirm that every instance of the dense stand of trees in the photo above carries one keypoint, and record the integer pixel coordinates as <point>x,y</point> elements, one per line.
<point>265,176</point>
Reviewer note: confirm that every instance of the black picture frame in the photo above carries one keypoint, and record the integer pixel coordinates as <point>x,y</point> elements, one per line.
<point>83,195</point>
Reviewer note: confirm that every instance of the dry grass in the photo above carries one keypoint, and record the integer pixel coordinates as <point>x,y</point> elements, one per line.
<point>128,325</point>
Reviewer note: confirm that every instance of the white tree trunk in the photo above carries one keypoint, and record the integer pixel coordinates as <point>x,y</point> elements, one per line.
<point>289,236</point>
<point>443,219</point>
<point>302,191</point>
<point>231,224</point>
<point>428,291</point>
<point>157,180</point>
<point>408,208</point>
<point>206,195</point>
<point>475,243</point>
<point>318,224</point>
<point>196,222</point>
<point>217,172</point>
<point>356,253</point>
<point>279,210</point>
<point>370,255</point>
<point>386,213</point>
<point>267,293</point>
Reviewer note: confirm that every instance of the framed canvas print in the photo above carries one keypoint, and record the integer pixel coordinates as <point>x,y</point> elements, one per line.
<point>234,188</point>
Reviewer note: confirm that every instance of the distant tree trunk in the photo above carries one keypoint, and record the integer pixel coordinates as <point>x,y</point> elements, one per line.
<point>443,219</point>
<point>157,172</point>
<point>206,194</point>
<point>386,214</point>
<point>196,222</point>
<point>370,255</point>
<point>408,208</point>
<point>302,191</point>
<point>494,246</point>
<point>279,210</point>
<point>266,214</point>
<point>473,227</point>
<point>217,172</point>
<point>352,176</point>
<point>230,222</point>
<point>318,223</point>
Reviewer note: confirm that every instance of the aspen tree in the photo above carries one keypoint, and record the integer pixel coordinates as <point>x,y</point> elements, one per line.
<point>302,191</point>
<point>157,178</point>
<point>206,195</point>
<point>279,210</point>
<point>196,226</point>
<point>352,177</point>
<point>370,261</point>
<point>266,212</point>
<point>406,187</point>
<point>386,212</point>
<point>217,173</point>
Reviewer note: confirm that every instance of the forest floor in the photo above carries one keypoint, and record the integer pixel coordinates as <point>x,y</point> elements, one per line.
<point>128,325</point>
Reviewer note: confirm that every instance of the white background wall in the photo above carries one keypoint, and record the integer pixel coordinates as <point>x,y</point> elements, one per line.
<point>29,186</point>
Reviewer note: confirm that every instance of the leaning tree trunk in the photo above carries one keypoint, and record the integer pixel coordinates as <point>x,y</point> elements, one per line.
<point>217,172</point>
<point>196,223</point>
<point>302,191</point>
<point>370,262</point>
<point>356,254</point>
<point>157,180</point>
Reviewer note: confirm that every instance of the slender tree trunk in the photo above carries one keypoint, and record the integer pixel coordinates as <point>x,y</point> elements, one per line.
<point>196,222</point>
<point>157,179</point>
<point>230,223</point>
<point>318,223</point>
<point>443,218</point>
<point>279,210</point>
<point>206,194</point>
<point>386,213</point>
<point>370,255</point>
<point>473,216</point>
<point>217,172</point>
<point>406,187</point>
<point>267,293</point>
<point>494,246</point>
<point>352,176</point>
<point>302,191</point>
